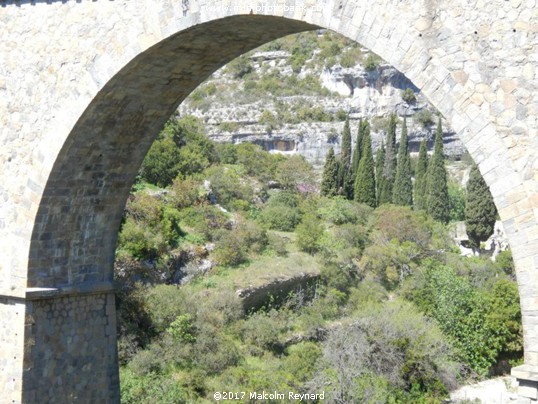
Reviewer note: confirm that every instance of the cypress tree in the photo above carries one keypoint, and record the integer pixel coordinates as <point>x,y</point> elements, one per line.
<point>365,181</point>
<point>344,181</point>
<point>349,185</point>
<point>329,182</point>
<point>345,154</point>
<point>340,174</point>
<point>437,204</point>
<point>420,176</point>
<point>480,211</point>
<point>364,127</point>
<point>402,192</point>
<point>379,163</point>
<point>389,168</point>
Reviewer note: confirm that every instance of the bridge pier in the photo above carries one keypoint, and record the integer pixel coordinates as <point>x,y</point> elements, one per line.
<point>63,348</point>
<point>527,378</point>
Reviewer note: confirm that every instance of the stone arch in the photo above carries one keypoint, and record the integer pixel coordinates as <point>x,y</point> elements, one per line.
<point>93,173</point>
<point>100,114</point>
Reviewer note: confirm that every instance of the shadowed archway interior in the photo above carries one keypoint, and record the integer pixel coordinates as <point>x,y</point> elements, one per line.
<point>92,176</point>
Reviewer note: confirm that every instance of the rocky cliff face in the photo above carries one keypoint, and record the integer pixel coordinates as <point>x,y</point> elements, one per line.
<point>289,112</point>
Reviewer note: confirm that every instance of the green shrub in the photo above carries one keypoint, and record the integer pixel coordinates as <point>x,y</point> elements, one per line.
<point>240,67</point>
<point>204,220</point>
<point>146,361</point>
<point>385,353</point>
<point>366,293</point>
<point>424,117</point>
<point>277,245</point>
<point>300,361</point>
<point>214,351</point>
<point>256,161</point>
<point>371,62</point>
<point>186,192</point>
<point>269,120</point>
<point>280,217</point>
<point>403,224</point>
<point>308,233</point>
<point>252,235</point>
<point>160,166</point>
<point>150,388</point>
<point>283,198</point>
<point>408,95</point>
<point>293,172</point>
<point>164,304</point>
<point>458,308</point>
<point>135,328</point>
<point>505,262</point>
<point>351,57</point>
<point>297,61</point>
<point>250,85</point>
<point>140,242</point>
<point>339,211</point>
<point>504,318</point>
<point>228,126</point>
<point>262,330</point>
<point>456,202</point>
<point>181,329</point>
<point>227,153</point>
<point>229,250</point>
<point>221,308</point>
<point>228,188</point>
<point>341,115</point>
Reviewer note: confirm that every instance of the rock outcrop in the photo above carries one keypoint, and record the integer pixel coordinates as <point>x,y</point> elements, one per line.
<point>362,94</point>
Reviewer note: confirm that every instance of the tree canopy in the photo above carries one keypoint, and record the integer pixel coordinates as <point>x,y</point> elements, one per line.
<point>480,211</point>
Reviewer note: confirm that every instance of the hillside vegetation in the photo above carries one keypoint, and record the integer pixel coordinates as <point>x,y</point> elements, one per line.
<point>378,305</point>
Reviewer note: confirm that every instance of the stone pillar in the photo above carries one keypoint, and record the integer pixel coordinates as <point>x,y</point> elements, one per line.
<point>62,346</point>
<point>527,378</point>
<point>11,348</point>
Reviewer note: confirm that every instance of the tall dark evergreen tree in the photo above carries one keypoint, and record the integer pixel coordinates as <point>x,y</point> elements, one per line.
<point>480,211</point>
<point>345,154</point>
<point>436,183</point>
<point>345,162</point>
<point>364,127</point>
<point>389,168</point>
<point>379,163</point>
<point>365,181</point>
<point>420,176</point>
<point>329,181</point>
<point>402,192</point>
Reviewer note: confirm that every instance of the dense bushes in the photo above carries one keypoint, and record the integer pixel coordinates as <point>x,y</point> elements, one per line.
<point>180,150</point>
<point>391,315</point>
<point>151,228</point>
<point>389,353</point>
<point>281,212</point>
<point>469,316</point>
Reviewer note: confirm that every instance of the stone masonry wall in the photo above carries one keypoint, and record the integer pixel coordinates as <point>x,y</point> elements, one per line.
<point>70,350</point>
<point>85,87</point>
<point>11,349</point>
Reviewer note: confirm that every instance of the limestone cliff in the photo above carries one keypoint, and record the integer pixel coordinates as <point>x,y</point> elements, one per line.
<point>262,100</point>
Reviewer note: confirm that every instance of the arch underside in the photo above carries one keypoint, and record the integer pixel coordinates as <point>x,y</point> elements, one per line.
<point>74,238</point>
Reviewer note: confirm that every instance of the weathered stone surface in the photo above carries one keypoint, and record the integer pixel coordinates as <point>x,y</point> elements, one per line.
<point>86,86</point>
<point>70,352</point>
<point>231,116</point>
